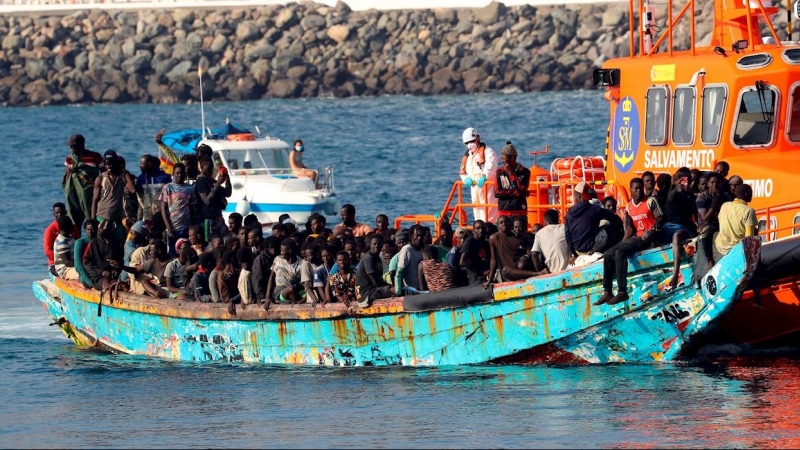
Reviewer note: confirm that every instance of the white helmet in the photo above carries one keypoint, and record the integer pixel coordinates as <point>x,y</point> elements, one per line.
<point>469,135</point>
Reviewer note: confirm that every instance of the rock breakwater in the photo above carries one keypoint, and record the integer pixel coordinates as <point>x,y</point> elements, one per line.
<point>308,50</point>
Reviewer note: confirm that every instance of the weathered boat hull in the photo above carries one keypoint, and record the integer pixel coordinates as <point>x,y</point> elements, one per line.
<point>523,316</point>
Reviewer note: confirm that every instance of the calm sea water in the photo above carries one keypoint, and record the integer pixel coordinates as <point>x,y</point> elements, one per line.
<point>394,155</point>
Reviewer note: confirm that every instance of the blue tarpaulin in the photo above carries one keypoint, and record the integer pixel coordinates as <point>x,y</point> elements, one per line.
<point>185,141</point>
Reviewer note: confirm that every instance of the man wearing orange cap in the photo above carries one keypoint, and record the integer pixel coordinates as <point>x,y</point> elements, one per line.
<point>478,165</point>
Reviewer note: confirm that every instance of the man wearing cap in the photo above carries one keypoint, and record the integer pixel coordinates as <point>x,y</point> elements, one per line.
<point>109,191</point>
<point>582,222</point>
<point>511,188</point>
<point>478,165</point>
<point>82,169</point>
<point>136,239</point>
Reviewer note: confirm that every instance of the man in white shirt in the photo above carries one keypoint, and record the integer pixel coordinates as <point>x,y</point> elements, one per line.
<point>551,245</point>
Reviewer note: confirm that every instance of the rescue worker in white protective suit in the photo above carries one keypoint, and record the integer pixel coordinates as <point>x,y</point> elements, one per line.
<point>479,165</point>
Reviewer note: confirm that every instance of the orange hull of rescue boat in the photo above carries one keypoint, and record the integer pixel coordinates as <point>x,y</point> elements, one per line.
<point>763,315</point>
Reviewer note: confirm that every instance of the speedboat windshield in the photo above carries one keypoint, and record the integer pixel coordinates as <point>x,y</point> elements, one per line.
<point>273,161</point>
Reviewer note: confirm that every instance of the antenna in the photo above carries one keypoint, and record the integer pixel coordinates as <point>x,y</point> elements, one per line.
<point>202,110</point>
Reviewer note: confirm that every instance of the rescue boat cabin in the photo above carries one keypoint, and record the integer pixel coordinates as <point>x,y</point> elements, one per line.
<point>735,100</point>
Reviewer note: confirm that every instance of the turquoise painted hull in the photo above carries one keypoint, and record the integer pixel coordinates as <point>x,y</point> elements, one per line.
<point>537,320</point>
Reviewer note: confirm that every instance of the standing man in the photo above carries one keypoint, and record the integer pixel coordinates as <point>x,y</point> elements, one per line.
<point>478,165</point>
<point>642,216</point>
<point>178,205</point>
<point>212,195</point>
<point>408,261</point>
<point>109,193</point>
<point>475,255</point>
<point>149,185</point>
<point>82,169</point>
<point>511,188</point>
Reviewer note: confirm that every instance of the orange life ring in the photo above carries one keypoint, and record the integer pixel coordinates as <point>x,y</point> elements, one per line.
<point>241,137</point>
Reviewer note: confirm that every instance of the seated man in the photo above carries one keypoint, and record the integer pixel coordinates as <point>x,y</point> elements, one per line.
<point>90,226</point>
<point>291,278</point>
<point>582,223</point>
<point>200,282</point>
<point>51,232</point>
<point>434,275</point>
<point>342,284</point>
<point>103,257</point>
<point>370,285</point>
<point>736,220</point>
<point>642,216</point>
<point>679,210</point>
<point>505,249</point>
<point>63,249</point>
<point>550,245</point>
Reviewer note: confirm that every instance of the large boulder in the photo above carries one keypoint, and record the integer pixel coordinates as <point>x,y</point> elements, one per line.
<point>261,50</point>
<point>284,88</point>
<point>247,31</point>
<point>339,33</point>
<point>490,13</point>
<point>136,64</point>
<point>179,71</point>
<point>13,42</point>
<point>286,18</point>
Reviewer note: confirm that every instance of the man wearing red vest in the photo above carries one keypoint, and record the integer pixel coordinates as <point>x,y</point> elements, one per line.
<point>642,217</point>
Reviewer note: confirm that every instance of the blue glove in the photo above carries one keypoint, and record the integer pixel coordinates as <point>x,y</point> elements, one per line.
<point>468,181</point>
<point>481,182</point>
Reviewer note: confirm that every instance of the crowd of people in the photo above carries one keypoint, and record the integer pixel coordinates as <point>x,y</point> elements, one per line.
<point>164,235</point>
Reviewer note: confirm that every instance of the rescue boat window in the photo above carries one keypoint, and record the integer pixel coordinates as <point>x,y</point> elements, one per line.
<point>655,132</point>
<point>791,56</point>
<point>796,230</point>
<point>794,114</point>
<point>714,101</point>
<point>756,61</point>
<point>762,227</point>
<point>683,116</point>
<point>755,121</point>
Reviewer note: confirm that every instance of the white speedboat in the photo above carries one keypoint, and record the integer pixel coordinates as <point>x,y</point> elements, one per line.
<point>261,177</point>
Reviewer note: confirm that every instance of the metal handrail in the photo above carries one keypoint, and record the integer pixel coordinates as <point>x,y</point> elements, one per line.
<point>768,213</point>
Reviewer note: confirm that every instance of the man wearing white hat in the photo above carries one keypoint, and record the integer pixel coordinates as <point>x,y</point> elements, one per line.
<point>478,165</point>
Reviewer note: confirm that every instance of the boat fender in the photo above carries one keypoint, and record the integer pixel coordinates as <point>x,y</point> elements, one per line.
<point>330,206</point>
<point>243,207</point>
<point>451,298</point>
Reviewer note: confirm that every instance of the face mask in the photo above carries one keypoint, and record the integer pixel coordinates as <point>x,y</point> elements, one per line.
<point>299,148</point>
<point>472,146</point>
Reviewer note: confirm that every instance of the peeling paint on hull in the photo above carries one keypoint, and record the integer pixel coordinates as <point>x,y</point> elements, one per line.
<point>553,315</point>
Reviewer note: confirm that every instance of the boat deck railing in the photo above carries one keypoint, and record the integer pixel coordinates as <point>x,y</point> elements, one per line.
<point>771,233</point>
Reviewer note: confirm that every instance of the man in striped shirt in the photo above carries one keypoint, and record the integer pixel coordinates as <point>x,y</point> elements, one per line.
<point>63,250</point>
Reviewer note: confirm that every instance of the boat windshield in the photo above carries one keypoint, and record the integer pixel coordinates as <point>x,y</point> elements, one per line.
<point>273,161</point>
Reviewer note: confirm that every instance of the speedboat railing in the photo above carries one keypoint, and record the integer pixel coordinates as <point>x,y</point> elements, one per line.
<point>771,233</point>
<point>326,180</point>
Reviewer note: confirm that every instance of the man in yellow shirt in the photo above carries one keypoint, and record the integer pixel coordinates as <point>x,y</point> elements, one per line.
<point>736,220</point>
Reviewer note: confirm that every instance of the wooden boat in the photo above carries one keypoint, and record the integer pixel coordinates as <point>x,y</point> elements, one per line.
<point>550,318</point>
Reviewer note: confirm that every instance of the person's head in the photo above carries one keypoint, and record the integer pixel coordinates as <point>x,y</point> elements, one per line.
<point>235,222</point>
<point>509,155</point>
<point>491,229</point>
<point>388,250</point>
<point>254,238</point>
<point>460,234</point>
<point>138,232</point>
<point>241,235</point>
<point>311,253</point>
<point>216,241</point>
<point>722,168</point>
<point>251,221</point>
<point>610,203</point>
<point>278,230</point>
<point>245,257</point>
<point>348,214</point>
<point>234,244</point>
<point>76,143</point>
<point>735,181</point>
<point>375,244</point>
<point>427,235</point>
<point>430,252</point>
<point>351,247</point>
<point>288,249</point>
<point>381,222</point>
<point>471,139</point>
<point>637,189</point>
<point>190,165</point>
<point>179,173</point>
<point>343,261</point>
<point>401,238</point>
<point>59,210</point>
<point>207,262</point>
<point>106,230</point>
<point>445,234</point>
<point>649,181</point>
<point>328,256</point>
<point>318,224</point>
<point>298,146</point>
<point>144,164</point>
<point>157,249</point>
<point>207,167</point>
<point>551,217</point>
<point>536,227</point>
<point>186,254</point>
<point>195,236</point>
<point>503,224</point>
<point>272,246</point>
<point>664,182</point>
<point>204,151</point>
<point>65,225</point>
<point>519,226</point>
<point>702,183</point>
<point>229,258</point>
<point>744,192</point>
<point>581,192</point>
<point>714,182</point>
<point>417,236</point>
<point>696,174</point>
<point>90,226</point>
<point>479,229</point>
<point>112,161</point>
